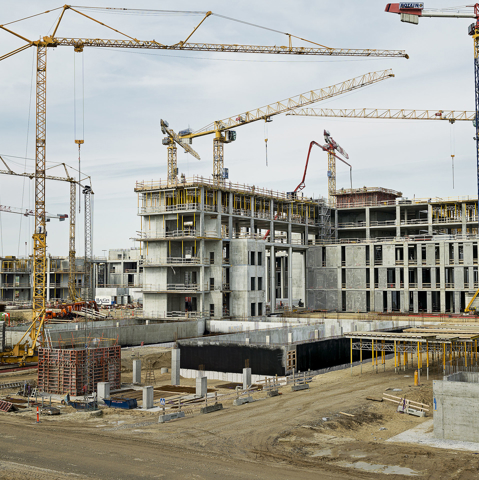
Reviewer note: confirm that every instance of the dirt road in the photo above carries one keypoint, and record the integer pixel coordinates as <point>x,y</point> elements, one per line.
<point>296,435</point>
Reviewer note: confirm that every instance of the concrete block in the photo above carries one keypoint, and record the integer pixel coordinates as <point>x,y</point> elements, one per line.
<point>201,386</point>
<point>170,416</point>
<point>272,393</point>
<point>242,400</point>
<point>212,408</point>
<point>164,370</point>
<point>175,366</point>
<point>296,388</point>
<point>103,390</point>
<point>136,372</point>
<point>246,378</point>
<point>147,397</point>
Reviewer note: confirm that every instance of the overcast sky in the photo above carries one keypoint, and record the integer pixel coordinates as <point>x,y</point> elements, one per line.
<point>126,92</point>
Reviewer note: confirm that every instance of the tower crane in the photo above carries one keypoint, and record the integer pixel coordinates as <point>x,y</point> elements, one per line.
<point>171,140</point>
<point>52,41</point>
<point>221,129</point>
<point>72,217</point>
<point>411,12</point>
<point>451,116</point>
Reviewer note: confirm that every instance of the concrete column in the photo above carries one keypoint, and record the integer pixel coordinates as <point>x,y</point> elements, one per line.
<point>398,221</point>
<point>429,302</point>
<point>230,218</point>
<point>103,390</point>
<point>175,366</point>
<point>442,299</point>
<point>457,302</point>
<point>201,386</point>
<point>246,378</point>
<point>406,301</point>
<point>147,397</point>
<point>290,276</point>
<point>463,219</point>
<point>336,225</point>
<point>368,222</point>
<point>272,280</point>
<point>389,301</point>
<point>415,301</point>
<point>219,204</point>
<point>136,371</point>
<point>429,219</point>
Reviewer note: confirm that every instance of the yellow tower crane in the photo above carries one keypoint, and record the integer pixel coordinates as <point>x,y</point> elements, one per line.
<point>221,129</point>
<point>171,140</point>
<point>52,41</point>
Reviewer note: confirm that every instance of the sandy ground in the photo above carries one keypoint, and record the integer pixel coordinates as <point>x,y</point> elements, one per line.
<point>295,435</point>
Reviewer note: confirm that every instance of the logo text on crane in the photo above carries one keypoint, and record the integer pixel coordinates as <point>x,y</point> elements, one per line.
<point>409,5</point>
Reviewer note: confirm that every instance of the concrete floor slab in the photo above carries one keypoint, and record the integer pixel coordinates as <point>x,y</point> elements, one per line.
<point>424,435</point>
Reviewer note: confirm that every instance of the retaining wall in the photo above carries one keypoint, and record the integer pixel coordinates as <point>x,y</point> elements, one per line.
<point>456,407</point>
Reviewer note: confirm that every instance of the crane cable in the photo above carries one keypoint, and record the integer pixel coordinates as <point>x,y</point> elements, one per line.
<point>452,142</point>
<point>266,139</point>
<point>25,159</point>
<point>79,142</point>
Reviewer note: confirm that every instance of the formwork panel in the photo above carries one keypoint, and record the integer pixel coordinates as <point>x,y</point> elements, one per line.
<point>78,371</point>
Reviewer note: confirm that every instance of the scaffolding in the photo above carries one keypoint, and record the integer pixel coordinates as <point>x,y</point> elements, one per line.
<point>62,370</point>
<point>441,344</point>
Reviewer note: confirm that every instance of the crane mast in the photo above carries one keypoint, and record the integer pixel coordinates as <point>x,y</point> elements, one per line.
<point>39,237</point>
<point>88,295</point>
<point>71,248</point>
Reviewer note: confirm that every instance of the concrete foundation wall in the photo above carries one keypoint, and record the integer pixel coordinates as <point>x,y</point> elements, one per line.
<point>126,334</point>
<point>456,408</point>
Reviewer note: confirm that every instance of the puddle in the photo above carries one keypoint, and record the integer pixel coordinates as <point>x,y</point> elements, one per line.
<point>322,453</point>
<point>378,468</point>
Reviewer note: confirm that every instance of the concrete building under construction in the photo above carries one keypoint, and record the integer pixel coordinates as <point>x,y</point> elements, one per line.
<point>394,254</point>
<point>235,251</point>
<point>224,250</point>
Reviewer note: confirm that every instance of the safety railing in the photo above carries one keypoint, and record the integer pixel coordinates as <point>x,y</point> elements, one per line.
<point>150,262</point>
<point>171,287</point>
<point>199,181</point>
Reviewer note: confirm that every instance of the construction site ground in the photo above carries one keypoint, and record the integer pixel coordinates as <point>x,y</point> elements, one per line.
<point>294,435</point>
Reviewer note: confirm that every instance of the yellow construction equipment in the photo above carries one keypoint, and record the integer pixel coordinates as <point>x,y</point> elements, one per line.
<point>74,297</point>
<point>171,140</point>
<point>469,308</point>
<point>221,129</point>
<point>52,41</point>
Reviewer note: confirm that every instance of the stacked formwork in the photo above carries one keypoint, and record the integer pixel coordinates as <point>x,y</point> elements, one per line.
<point>78,371</point>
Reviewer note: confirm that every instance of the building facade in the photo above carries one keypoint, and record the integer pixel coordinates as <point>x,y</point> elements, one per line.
<point>224,251</point>
<point>396,255</point>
